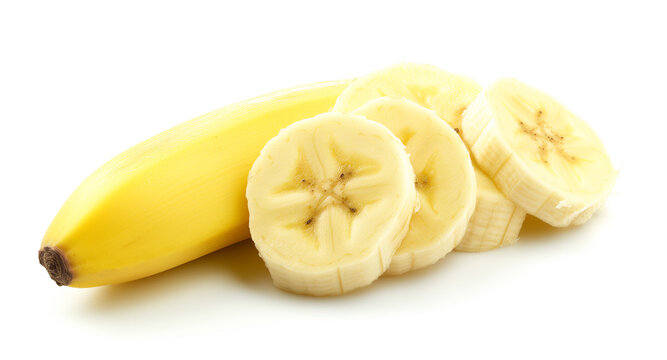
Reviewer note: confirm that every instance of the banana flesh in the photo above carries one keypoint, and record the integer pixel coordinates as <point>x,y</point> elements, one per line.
<point>448,95</point>
<point>382,184</point>
<point>174,197</point>
<point>330,199</point>
<point>445,93</point>
<point>538,153</point>
<point>496,221</point>
<point>445,181</point>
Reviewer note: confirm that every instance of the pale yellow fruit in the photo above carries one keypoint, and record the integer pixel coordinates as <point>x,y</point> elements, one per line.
<point>496,221</point>
<point>330,199</point>
<point>538,153</point>
<point>448,95</point>
<point>174,197</point>
<point>445,181</point>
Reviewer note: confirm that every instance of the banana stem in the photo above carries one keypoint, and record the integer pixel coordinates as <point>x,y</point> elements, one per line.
<point>55,262</point>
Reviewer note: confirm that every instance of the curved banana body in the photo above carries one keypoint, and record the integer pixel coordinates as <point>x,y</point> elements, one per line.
<point>174,197</point>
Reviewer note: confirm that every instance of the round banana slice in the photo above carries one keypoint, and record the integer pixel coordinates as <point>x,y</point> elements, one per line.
<point>496,221</point>
<point>330,199</point>
<point>448,95</point>
<point>542,156</point>
<point>445,93</point>
<point>445,181</point>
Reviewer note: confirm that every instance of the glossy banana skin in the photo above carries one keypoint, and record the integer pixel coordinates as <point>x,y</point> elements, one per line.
<point>174,197</point>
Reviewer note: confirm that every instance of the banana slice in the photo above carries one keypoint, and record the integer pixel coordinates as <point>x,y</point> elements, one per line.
<point>445,93</point>
<point>330,199</point>
<point>496,221</point>
<point>542,156</point>
<point>445,181</point>
<point>448,95</point>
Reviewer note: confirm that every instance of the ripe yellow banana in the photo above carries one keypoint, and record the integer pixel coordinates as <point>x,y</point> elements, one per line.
<point>449,96</point>
<point>445,181</point>
<point>330,200</point>
<point>539,154</point>
<point>174,197</point>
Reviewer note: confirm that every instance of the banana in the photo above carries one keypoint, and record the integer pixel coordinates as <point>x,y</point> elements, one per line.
<point>539,154</point>
<point>448,95</point>
<point>445,93</point>
<point>496,221</point>
<point>330,199</point>
<point>445,181</point>
<point>174,197</point>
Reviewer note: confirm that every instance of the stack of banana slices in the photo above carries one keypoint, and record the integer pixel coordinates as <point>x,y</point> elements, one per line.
<point>413,163</point>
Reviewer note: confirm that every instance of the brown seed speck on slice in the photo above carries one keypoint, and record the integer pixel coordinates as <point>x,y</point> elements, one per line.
<point>354,210</point>
<point>309,221</point>
<point>457,130</point>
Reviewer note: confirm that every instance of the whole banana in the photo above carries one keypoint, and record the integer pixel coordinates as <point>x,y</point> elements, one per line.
<point>174,197</point>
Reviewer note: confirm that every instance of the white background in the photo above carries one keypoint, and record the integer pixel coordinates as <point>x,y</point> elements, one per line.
<point>81,81</point>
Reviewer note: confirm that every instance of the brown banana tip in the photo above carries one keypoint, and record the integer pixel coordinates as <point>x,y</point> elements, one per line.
<point>55,262</point>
